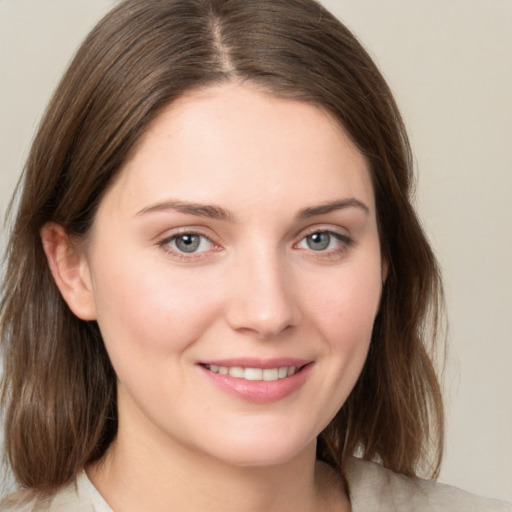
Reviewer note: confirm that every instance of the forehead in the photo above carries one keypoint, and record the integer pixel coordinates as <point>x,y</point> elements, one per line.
<point>233,142</point>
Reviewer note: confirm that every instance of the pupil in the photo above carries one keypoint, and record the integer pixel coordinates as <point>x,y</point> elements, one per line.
<point>187,243</point>
<point>318,241</point>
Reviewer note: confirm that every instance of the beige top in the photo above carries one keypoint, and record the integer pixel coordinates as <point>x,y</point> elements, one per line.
<point>372,489</point>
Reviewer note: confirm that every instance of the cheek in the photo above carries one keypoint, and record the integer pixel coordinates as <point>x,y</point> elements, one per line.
<point>152,309</point>
<point>344,314</point>
<point>347,301</point>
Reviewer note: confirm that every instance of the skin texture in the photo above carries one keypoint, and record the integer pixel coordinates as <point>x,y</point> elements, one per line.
<point>254,288</point>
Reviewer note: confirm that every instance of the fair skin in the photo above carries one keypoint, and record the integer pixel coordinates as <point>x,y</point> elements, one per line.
<point>241,234</point>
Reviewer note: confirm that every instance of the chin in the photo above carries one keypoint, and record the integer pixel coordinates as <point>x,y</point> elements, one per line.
<point>262,451</point>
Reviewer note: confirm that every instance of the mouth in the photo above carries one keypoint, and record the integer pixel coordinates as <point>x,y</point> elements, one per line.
<point>256,380</point>
<point>254,373</point>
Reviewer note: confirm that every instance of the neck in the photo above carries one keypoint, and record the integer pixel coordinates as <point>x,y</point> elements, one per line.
<point>142,473</point>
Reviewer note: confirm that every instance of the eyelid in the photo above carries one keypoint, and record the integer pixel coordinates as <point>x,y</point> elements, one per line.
<point>337,231</point>
<point>164,243</point>
<point>346,241</point>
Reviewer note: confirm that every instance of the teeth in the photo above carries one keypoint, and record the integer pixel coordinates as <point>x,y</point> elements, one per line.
<point>270,374</point>
<point>267,374</point>
<point>237,372</point>
<point>253,374</point>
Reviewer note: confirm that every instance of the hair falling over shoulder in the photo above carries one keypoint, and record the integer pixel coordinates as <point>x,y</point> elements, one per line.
<point>58,387</point>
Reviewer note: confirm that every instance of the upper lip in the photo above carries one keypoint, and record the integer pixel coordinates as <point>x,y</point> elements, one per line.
<point>252,362</point>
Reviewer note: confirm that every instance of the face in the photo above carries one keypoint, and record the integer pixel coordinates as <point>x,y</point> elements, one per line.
<point>235,274</point>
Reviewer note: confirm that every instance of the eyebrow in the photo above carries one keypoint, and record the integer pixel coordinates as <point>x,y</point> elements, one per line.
<point>200,210</point>
<point>333,206</point>
<point>216,212</point>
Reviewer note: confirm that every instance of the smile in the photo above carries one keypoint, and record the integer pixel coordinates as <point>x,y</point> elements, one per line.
<point>258,380</point>
<point>253,374</point>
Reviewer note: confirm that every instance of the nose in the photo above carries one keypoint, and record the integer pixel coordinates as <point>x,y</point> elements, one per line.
<point>263,301</point>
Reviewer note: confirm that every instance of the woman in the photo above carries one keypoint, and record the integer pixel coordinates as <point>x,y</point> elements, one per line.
<point>217,291</point>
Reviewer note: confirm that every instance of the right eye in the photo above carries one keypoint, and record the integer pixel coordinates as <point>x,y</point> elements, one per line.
<point>187,243</point>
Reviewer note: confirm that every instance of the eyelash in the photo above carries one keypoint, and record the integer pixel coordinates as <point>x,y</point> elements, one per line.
<point>345,242</point>
<point>192,256</point>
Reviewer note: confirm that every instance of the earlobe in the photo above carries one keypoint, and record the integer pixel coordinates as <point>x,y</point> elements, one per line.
<point>70,270</point>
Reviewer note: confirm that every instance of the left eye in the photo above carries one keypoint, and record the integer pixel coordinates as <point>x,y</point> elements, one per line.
<point>189,243</point>
<point>320,241</point>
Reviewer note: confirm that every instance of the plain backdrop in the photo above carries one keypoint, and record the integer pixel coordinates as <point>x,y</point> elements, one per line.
<point>449,63</point>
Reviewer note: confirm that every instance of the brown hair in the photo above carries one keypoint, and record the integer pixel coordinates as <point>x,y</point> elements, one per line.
<point>59,389</point>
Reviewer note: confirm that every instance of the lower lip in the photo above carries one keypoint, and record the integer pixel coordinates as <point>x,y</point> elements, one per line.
<point>259,391</point>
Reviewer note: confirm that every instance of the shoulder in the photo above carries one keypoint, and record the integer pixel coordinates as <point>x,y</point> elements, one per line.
<point>374,488</point>
<point>79,496</point>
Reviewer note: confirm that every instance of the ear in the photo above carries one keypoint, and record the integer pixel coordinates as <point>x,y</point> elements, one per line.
<point>70,270</point>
